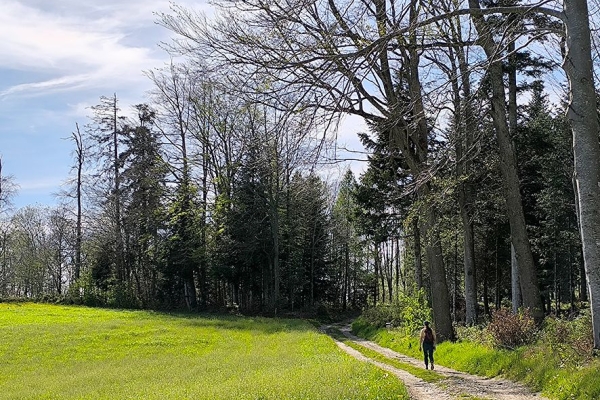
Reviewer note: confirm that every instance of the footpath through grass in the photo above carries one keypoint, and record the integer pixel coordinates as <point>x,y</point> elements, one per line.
<point>58,352</point>
<point>426,375</point>
<point>547,365</point>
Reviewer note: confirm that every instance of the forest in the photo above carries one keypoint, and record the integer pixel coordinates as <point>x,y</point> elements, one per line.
<point>224,189</point>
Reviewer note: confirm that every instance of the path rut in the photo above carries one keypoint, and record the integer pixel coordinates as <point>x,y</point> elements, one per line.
<point>456,385</point>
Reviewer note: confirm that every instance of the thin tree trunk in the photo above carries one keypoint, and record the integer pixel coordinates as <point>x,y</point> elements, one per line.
<point>376,280</point>
<point>512,124</point>
<point>120,256</point>
<point>79,234</point>
<point>455,279</point>
<point>486,301</point>
<point>346,267</point>
<point>498,268</point>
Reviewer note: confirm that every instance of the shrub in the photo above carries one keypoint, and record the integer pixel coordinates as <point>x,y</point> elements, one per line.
<point>510,330</point>
<point>475,334</point>
<point>570,340</point>
<point>406,312</point>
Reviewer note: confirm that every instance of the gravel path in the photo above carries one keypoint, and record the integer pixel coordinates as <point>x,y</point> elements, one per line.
<point>457,385</point>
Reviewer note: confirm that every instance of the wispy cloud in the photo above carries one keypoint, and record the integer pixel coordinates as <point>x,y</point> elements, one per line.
<point>40,185</point>
<point>77,46</point>
<point>62,83</point>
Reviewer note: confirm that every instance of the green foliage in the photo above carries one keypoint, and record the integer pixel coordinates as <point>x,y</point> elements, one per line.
<point>569,340</point>
<point>57,352</point>
<point>84,292</point>
<point>407,312</point>
<point>512,330</point>
<point>475,334</point>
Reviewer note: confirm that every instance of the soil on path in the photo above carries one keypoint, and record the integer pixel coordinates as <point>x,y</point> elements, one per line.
<point>456,385</point>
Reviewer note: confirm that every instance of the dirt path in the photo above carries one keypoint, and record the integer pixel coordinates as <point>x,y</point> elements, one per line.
<point>457,385</point>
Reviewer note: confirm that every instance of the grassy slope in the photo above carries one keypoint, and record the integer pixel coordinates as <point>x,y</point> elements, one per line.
<point>540,367</point>
<point>52,352</point>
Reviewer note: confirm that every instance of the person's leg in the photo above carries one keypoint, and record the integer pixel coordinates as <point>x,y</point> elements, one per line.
<point>431,357</point>
<point>426,358</point>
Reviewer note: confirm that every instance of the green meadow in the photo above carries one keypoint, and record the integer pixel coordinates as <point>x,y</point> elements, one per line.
<point>60,352</point>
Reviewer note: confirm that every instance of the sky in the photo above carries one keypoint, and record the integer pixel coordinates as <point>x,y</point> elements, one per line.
<point>57,57</point>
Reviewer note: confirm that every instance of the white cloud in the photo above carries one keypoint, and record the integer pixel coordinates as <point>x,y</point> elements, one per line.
<point>78,45</point>
<point>39,185</point>
<point>65,82</point>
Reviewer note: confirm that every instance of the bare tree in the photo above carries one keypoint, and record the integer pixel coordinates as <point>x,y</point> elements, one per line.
<point>79,160</point>
<point>7,190</point>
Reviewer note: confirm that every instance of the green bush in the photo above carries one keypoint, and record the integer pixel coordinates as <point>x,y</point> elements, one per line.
<point>570,340</point>
<point>406,312</point>
<point>474,334</point>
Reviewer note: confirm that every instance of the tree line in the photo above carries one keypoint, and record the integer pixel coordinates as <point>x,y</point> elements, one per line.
<point>479,187</point>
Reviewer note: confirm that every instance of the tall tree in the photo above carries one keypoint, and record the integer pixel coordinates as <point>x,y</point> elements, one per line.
<point>508,167</point>
<point>582,114</point>
<point>105,132</point>
<point>143,185</point>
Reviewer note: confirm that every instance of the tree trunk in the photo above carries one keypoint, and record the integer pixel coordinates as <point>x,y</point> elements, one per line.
<point>376,280</point>
<point>512,124</point>
<point>79,152</point>
<point>508,169</point>
<point>466,194</point>
<point>486,301</point>
<point>514,281</point>
<point>417,251</point>
<point>437,275</point>
<point>346,271</point>
<point>498,293</point>
<point>583,116</point>
<point>120,256</point>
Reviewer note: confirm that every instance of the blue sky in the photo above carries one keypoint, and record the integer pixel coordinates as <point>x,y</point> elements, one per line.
<point>57,57</point>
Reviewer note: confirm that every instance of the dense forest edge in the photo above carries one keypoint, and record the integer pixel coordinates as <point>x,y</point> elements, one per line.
<point>477,207</point>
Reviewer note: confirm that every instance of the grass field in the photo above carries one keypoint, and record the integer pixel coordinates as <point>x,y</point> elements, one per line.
<point>58,352</point>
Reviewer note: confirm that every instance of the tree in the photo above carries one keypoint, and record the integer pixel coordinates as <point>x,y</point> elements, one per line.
<point>319,53</point>
<point>105,132</point>
<point>80,159</point>
<point>143,185</point>
<point>7,189</point>
<point>582,115</point>
<point>508,167</point>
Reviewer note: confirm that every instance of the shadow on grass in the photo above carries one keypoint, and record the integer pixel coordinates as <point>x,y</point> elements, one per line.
<point>264,325</point>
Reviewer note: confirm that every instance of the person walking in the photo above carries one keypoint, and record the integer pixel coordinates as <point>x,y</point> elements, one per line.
<point>427,344</point>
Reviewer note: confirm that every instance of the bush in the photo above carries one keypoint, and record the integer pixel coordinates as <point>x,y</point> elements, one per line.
<point>510,330</point>
<point>475,334</point>
<point>570,340</point>
<point>406,312</point>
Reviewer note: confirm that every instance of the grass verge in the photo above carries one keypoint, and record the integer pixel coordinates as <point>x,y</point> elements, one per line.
<point>59,352</point>
<point>539,366</point>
